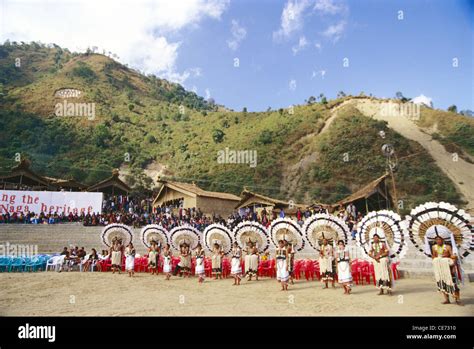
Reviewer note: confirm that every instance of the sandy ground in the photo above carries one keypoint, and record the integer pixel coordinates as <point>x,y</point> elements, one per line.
<point>75,293</point>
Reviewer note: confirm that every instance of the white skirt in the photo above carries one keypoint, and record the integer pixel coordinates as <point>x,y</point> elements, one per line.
<point>236,268</point>
<point>199,270</point>
<point>116,258</point>
<point>166,265</point>
<point>282,272</point>
<point>130,263</point>
<point>344,272</point>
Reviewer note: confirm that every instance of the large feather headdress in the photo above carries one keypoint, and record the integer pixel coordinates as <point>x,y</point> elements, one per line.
<point>288,230</point>
<point>220,234</point>
<point>325,226</point>
<point>389,227</point>
<point>254,232</point>
<point>114,231</point>
<point>426,220</point>
<point>154,232</point>
<point>185,234</point>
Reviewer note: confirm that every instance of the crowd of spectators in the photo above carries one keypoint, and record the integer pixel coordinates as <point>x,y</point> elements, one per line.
<point>139,212</point>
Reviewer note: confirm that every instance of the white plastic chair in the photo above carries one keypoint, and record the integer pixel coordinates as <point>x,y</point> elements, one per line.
<point>55,262</point>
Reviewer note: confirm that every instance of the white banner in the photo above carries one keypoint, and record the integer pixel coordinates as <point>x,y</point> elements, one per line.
<point>50,202</point>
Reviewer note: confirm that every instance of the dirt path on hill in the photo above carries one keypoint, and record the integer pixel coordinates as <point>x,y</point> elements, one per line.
<point>460,172</point>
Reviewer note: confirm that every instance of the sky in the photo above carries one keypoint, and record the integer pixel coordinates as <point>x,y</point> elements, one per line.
<point>270,53</point>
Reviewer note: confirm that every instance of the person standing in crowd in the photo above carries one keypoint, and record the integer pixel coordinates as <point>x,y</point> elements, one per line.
<point>281,256</point>
<point>217,261</point>
<point>344,272</point>
<point>116,252</point>
<point>383,276</point>
<point>199,269</point>
<point>326,260</point>
<point>167,261</point>
<point>351,210</point>
<point>236,268</point>
<point>130,259</point>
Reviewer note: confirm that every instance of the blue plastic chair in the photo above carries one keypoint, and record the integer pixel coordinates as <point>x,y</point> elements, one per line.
<point>34,263</point>
<point>5,264</point>
<point>18,264</point>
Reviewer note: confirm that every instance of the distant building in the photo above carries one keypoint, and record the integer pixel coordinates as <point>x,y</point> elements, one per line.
<point>372,197</point>
<point>185,195</point>
<point>257,202</point>
<point>112,185</point>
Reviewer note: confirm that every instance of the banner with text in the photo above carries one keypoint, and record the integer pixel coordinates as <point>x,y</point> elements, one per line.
<point>50,202</point>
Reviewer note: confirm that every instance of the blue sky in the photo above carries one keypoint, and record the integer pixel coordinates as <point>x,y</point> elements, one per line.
<point>413,55</point>
<point>287,50</point>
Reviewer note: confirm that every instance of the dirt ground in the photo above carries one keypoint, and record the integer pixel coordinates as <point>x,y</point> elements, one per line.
<point>76,294</point>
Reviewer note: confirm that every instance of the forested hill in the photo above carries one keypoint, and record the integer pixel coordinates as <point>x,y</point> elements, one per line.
<point>148,126</point>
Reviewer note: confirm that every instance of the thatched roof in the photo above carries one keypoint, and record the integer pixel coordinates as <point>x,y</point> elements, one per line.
<point>22,174</point>
<point>254,198</point>
<point>193,190</point>
<point>365,192</point>
<point>66,183</point>
<point>111,185</point>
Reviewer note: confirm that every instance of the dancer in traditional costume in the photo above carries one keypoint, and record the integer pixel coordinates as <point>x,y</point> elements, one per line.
<point>199,270</point>
<point>344,272</point>
<point>217,255</point>
<point>184,265</point>
<point>289,231</point>
<point>116,252</point>
<point>379,252</point>
<point>326,263</point>
<point>281,256</point>
<point>446,235</point>
<point>167,261</point>
<point>447,273</point>
<point>236,268</point>
<point>322,230</point>
<point>251,261</point>
<point>153,257</point>
<point>130,259</point>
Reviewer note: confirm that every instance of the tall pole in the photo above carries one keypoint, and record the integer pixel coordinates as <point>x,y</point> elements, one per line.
<point>394,187</point>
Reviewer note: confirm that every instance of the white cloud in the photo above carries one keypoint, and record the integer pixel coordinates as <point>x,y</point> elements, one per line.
<point>318,46</point>
<point>291,19</point>
<point>292,85</point>
<point>296,11</point>
<point>330,7</point>
<point>137,31</point>
<point>334,31</point>
<point>302,43</point>
<point>238,34</point>
<point>422,99</point>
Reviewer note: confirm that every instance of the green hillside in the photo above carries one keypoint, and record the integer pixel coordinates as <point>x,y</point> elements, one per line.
<point>139,118</point>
